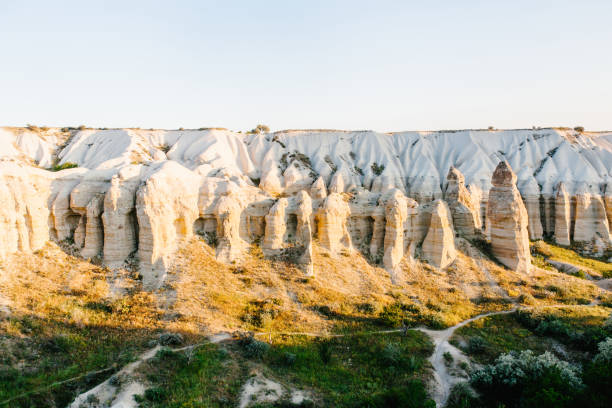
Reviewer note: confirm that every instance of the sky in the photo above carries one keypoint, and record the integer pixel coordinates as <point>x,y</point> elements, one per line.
<point>289,64</point>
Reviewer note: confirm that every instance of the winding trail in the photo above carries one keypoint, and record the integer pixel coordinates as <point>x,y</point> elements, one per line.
<point>443,376</point>
<point>121,395</point>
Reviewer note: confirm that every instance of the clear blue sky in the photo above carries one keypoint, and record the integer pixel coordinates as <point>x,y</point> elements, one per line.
<point>382,65</point>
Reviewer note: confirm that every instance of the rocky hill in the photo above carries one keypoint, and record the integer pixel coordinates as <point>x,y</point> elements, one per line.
<point>132,195</point>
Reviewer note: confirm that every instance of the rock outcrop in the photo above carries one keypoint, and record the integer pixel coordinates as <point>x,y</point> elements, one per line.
<point>331,223</point>
<point>138,195</point>
<point>591,227</point>
<point>439,245</point>
<point>166,208</point>
<point>396,213</point>
<point>119,217</point>
<point>562,216</point>
<point>230,245</point>
<point>531,197</point>
<point>24,211</point>
<point>508,219</point>
<point>276,226</point>
<point>304,231</point>
<point>465,212</point>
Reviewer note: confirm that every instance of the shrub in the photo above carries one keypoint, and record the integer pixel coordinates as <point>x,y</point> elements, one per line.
<point>155,394</point>
<point>413,395</point>
<point>324,347</point>
<point>598,377</point>
<point>171,339</point>
<point>255,349</point>
<point>542,380</point>
<point>579,129</point>
<point>67,165</point>
<point>448,358</point>
<point>391,354</point>
<point>366,308</point>
<point>260,129</point>
<point>378,168</point>
<point>398,314</point>
<point>461,396</point>
<point>605,351</point>
<point>260,313</point>
<point>476,345</point>
<point>288,359</point>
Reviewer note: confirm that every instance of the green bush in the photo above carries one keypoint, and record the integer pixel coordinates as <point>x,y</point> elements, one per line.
<point>155,394</point>
<point>462,396</point>
<point>67,165</point>
<point>324,348</point>
<point>377,168</point>
<point>256,349</point>
<point>413,395</point>
<point>398,314</point>
<point>476,345</point>
<point>526,380</point>
<point>391,355</point>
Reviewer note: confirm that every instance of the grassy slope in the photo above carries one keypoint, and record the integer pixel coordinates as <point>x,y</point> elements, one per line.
<point>358,368</point>
<point>543,250</point>
<point>67,319</point>
<point>504,333</point>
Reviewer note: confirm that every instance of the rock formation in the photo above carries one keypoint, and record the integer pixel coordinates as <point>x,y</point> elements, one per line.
<point>608,203</point>
<point>531,197</point>
<point>465,212</point>
<point>24,213</point>
<point>138,195</point>
<point>229,246</point>
<point>439,245</point>
<point>304,231</point>
<point>562,216</point>
<point>395,214</point>
<point>331,220</point>
<point>508,219</point>
<point>166,208</point>
<point>119,218</point>
<point>276,226</point>
<point>591,227</point>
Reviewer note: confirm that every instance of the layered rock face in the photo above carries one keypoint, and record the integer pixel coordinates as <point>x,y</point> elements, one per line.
<point>591,227</point>
<point>332,223</point>
<point>508,219</point>
<point>24,212</point>
<point>465,212</point>
<point>562,216</point>
<point>531,197</point>
<point>138,195</point>
<point>439,245</point>
<point>396,214</point>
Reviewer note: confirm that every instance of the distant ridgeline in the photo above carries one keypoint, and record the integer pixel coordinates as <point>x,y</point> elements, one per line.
<point>132,195</point>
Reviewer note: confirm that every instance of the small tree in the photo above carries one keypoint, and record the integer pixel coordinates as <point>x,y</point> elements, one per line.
<point>260,129</point>
<point>579,129</point>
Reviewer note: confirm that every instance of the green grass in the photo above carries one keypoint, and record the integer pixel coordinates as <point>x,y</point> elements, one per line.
<point>50,352</point>
<point>209,377</point>
<point>352,371</point>
<point>346,371</point>
<point>501,334</point>
<point>578,328</point>
<point>542,250</point>
<point>67,165</point>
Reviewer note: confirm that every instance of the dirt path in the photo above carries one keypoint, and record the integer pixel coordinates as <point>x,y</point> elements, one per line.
<point>444,378</point>
<point>121,394</point>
